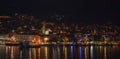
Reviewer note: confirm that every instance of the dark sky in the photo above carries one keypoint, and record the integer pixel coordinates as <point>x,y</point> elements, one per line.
<point>93,10</point>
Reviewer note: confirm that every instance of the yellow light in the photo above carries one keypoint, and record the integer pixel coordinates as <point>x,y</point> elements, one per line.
<point>33,40</point>
<point>46,38</point>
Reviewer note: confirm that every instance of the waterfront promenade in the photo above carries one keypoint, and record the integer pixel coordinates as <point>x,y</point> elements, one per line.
<point>63,44</point>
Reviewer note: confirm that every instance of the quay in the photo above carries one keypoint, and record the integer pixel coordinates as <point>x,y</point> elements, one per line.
<point>32,45</point>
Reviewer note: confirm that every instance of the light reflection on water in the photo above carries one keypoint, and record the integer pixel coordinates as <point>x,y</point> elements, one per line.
<point>60,52</point>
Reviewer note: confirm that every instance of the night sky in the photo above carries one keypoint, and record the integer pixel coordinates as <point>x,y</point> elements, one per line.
<point>87,10</point>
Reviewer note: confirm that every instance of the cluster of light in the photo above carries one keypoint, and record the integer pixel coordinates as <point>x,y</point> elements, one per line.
<point>5,17</point>
<point>46,38</point>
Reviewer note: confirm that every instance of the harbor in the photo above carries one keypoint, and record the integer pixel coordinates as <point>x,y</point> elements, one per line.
<point>37,41</point>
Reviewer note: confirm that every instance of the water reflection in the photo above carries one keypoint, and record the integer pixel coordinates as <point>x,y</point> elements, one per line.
<point>11,52</point>
<point>65,52</point>
<point>91,52</point>
<point>60,52</point>
<point>105,53</point>
<point>81,52</point>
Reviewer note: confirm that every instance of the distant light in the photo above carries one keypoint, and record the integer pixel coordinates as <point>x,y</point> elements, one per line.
<point>16,14</point>
<point>5,17</point>
<point>33,29</point>
<point>13,31</point>
<point>46,38</point>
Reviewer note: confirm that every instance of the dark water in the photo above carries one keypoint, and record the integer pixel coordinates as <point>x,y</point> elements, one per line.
<point>61,52</point>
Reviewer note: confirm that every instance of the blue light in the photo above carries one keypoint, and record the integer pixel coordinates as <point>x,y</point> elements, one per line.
<point>81,52</point>
<point>72,50</point>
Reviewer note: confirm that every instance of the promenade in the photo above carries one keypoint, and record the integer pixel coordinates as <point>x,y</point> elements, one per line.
<point>33,45</point>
